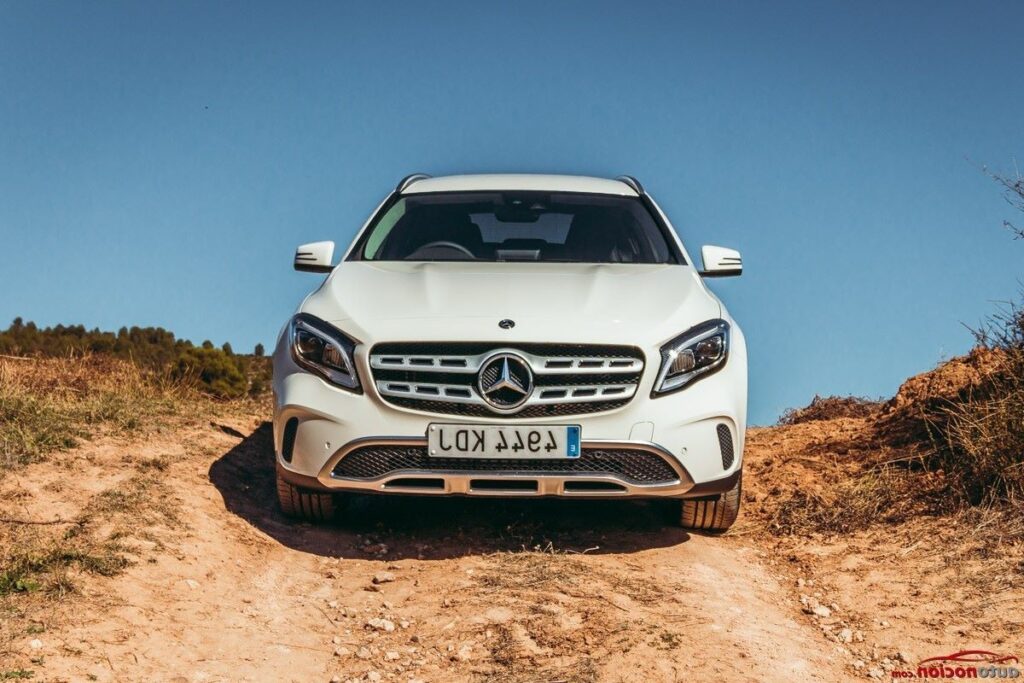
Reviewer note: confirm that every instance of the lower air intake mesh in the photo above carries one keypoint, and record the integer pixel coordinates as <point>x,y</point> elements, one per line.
<point>725,444</point>
<point>631,465</point>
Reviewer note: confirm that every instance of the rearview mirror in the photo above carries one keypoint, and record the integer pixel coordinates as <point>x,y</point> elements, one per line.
<point>315,257</point>
<point>720,262</point>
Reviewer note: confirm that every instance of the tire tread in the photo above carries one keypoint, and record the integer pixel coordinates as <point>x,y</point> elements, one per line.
<point>715,515</point>
<point>304,504</point>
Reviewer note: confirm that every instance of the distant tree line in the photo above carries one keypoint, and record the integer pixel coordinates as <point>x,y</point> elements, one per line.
<point>218,371</point>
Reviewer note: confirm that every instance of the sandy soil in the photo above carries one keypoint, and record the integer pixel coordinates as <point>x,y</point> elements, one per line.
<point>222,587</point>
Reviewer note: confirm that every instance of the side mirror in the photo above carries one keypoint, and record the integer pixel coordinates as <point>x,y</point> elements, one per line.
<point>315,257</point>
<point>720,262</point>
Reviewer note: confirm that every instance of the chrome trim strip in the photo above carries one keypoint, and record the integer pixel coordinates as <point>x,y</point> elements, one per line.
<point>540,365</point>
<point>460,483</point>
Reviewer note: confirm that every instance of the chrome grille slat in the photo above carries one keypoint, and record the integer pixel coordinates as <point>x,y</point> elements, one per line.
<point>543,395</point>
<point>570,379</point>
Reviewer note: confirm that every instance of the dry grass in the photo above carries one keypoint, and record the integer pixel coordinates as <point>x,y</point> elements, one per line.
<point>99,540</point>
<point>951,442</point>
<point>981,447</point>
<point>50,405</point>
<point>850,502</point>
<point>33,560</point>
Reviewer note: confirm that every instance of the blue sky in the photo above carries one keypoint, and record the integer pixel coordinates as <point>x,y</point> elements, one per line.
<point>159,162</point>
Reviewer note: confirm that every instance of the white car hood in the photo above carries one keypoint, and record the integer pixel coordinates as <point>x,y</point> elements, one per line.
<point>641,305</point>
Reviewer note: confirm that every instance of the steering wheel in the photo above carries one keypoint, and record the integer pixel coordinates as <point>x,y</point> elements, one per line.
<point>447,245</point>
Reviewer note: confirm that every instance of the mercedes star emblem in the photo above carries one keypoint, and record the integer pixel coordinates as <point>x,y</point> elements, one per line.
<point>505,382</point>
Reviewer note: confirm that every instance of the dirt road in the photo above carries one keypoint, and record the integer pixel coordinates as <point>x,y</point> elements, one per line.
<point>222,587</point>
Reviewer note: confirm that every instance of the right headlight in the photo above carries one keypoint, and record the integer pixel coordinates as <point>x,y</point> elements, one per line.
<point>696,353</point>
<point>325,350</point>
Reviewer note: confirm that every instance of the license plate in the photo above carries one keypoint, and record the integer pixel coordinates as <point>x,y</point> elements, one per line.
<point>499,441</point>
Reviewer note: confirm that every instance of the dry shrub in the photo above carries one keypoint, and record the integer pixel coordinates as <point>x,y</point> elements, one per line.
<point>980,445</point>
<point>830,408</point>
<point>51,404</point>
<point>850,503</point>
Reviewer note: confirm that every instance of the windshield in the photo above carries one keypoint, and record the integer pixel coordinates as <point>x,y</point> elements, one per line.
<point>516,226</point>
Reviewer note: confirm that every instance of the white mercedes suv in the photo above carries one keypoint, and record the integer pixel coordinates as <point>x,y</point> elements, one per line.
<point>513,335</point>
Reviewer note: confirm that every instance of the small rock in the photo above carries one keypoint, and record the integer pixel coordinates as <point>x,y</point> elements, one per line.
<point>381,624</point>
<point>883,624</point>
<point>335,679</point>
<point>845,635</point>
<point>903,656</point>
<point>800,583</point>
<point>351,612</point>
<point>858,664</point>
<point>876,673</point>
<point>464,654</point>
<point>383,577</point>
<point>333,604</point>
<point>363,653</point>
<point>858,636</point>
<point>404,624</point>
<point>192,583</point>
<point>392,655</point>
<point>387,605</point>
<point>373,676</point>
<point>822,611</point>
<point>35,644</point>
<point>342,652</point>
<point>446,602</point>
<point>336,640</point>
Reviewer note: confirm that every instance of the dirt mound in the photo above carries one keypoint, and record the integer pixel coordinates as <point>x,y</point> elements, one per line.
<point>829,408</point>
<point>948,382</point>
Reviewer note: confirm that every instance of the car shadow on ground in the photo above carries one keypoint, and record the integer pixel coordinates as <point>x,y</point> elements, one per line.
<point>427,527</point>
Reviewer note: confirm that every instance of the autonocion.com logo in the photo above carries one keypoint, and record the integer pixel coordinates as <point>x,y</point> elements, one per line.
<point>964,664</point>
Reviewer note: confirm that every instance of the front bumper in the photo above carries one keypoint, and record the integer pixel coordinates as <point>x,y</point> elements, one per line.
<point>503,482</point>
<point>685,430</point>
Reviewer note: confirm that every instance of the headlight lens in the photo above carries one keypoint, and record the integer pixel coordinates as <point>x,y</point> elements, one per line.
<point>695,353</point>
<point>322,348</point>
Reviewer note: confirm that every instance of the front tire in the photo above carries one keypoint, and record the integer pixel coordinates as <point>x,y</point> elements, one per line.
<point>305,504</point>
<point>713,515</point>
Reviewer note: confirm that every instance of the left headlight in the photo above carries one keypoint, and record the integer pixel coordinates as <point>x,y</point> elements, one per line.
<point>696,353</point>
<point>324,349</point>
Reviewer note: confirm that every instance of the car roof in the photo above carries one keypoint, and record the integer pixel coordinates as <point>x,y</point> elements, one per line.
<point>519,181</point>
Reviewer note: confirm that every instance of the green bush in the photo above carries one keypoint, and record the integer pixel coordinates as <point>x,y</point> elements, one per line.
<point>222,375</point>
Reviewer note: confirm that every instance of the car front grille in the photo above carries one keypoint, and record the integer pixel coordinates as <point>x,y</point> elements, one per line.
<point>567,379</point>
<point>633,465</point>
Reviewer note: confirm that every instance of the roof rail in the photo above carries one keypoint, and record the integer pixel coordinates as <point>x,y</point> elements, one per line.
<point>409,180</point>
<point>632,182</point>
